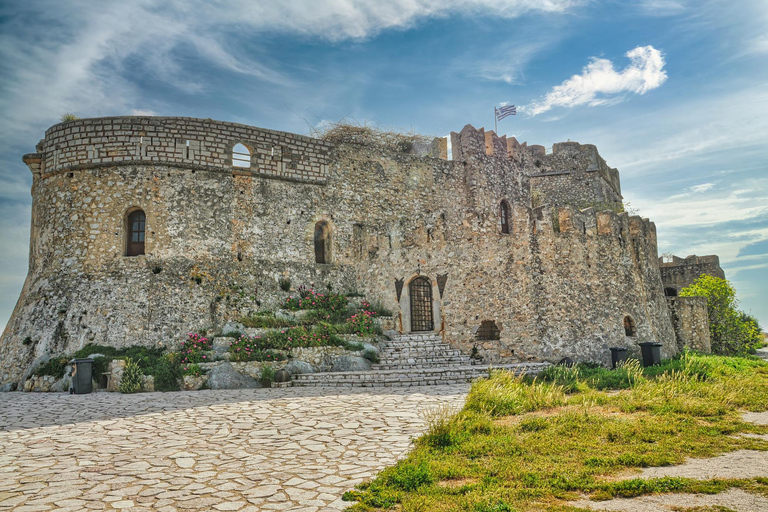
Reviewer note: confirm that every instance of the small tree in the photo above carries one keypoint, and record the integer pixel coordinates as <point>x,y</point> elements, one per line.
<point>731,331</point>
<point>131,380</point>
<point>68,116</point>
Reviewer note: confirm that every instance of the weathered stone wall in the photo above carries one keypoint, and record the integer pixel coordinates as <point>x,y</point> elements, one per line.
<point>573,174</point>
<point>682,272</point>
<point>184,141</point>
<point>691,322</point>
<point>218,240</point>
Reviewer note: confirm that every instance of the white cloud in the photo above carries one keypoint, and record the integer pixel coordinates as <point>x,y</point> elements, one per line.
<point>702,188</point>
<point>600,83</point>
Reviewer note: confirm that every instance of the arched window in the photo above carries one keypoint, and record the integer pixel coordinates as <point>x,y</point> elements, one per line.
<point>670,292</point>
<point>629,326</point>
<point>241,157</point>
<point>488,331</point>
<point>504,215</point>
<point>135,226</point>
<point>322,243</point>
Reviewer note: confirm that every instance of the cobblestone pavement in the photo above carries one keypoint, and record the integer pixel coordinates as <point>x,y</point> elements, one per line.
<point>245,450</point>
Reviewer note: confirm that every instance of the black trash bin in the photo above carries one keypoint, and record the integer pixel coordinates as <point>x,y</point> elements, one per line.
<point>618,355</point>
<point>82,378</point>
<point>651,353</point>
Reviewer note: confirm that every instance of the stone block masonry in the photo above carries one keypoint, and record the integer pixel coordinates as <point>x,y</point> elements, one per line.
<point>550,280</point>
<point>186,142</point>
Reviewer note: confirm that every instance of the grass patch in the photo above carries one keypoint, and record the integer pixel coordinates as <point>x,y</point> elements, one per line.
<point>536,444</point>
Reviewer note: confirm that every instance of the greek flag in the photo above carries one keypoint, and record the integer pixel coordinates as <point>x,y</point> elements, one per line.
<point>501,113</point>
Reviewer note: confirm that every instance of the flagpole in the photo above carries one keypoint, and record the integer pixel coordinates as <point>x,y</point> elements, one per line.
<point>495,121</point>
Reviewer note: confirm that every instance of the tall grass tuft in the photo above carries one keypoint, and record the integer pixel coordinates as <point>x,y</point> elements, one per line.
<point>504,394</point>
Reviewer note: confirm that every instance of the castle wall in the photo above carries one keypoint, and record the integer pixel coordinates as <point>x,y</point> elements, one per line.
<point>691,323</point>
<point>682,272</point>
<point>220,239</point>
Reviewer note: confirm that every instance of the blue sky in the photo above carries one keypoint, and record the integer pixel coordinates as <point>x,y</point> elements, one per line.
<point>673,92</point>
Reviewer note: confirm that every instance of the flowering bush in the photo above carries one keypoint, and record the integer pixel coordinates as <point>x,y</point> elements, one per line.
<point>310,299</point>
<point>194,349</point>
<point>247,348</point>
<point>362,322</point>
<point>193,369</point>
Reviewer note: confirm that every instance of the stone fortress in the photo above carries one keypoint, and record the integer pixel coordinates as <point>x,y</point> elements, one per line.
<point>146,228</point>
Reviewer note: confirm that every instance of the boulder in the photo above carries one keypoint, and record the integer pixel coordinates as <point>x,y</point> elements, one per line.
<point>193,383</point>
<point>233,326</point>
<point>299,367</point>
<point>350,364</point>
<point>282,376</point>
<point>7,387</point>
<point>224,376</point>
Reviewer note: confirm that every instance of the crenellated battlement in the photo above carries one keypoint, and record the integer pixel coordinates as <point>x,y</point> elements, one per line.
<point>178,141</point>
<point>567,161</point>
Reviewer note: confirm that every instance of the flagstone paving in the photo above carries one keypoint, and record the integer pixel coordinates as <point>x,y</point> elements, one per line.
<point>240,450</point>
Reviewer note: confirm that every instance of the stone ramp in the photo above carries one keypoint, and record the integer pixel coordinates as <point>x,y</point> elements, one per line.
<point>414,360</point>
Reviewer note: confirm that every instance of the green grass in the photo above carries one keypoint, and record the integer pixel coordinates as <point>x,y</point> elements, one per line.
<point>524,445</point>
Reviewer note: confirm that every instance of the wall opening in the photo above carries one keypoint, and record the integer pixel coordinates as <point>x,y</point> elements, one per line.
<point>322,242</point>
<point>488,331</point>
<point>420,293</point>
<point>504,215</point>
<point>670,292</point>
<point>135,228</point>
<point>629,326</point>
<point>241,157</point>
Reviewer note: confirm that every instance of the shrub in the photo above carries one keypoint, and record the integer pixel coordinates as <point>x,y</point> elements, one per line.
<point>194,349</point>
<point>55,367</point>
<point>193,369</point>
<point>310,299</point>
<point>362,323</point>
<point>377,308</point>
<point>168,372</point>
<point>267,373</point>
<point>265,319</point>
<point>371,355</point>
<point>284,283</point>
<point>131,380</point>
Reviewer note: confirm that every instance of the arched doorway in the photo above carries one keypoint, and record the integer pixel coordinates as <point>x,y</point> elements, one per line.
<point>420,292</point>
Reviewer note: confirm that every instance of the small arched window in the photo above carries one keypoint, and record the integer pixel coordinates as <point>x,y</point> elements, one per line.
<point>670,292</point>
<point>136,225</point>
<point>629,326</point>
<point>241,157</point>
<point>488,331</point>
<point>504,215</point>
<point>322,243</point>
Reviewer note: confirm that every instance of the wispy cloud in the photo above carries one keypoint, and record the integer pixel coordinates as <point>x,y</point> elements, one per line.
<point>601,84</point>
<point>662,7</point>
<point>702,188</point>
<point>78,66</point>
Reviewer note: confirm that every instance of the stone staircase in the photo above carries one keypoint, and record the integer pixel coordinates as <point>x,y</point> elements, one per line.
<point>413,360</point>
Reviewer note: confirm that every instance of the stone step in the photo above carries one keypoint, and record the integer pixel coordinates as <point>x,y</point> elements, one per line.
<point>433,360</point>
<point>409,377</point>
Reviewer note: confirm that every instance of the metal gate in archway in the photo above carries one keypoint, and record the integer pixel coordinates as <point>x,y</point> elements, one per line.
<point>420,291</point>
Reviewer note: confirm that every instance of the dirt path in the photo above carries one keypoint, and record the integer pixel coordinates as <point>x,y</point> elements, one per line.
<point>737,464</point>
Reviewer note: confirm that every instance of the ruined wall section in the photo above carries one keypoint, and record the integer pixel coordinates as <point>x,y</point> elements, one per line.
<point>691,323</point>
<point>682,272</point>
<point>573,174</point>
